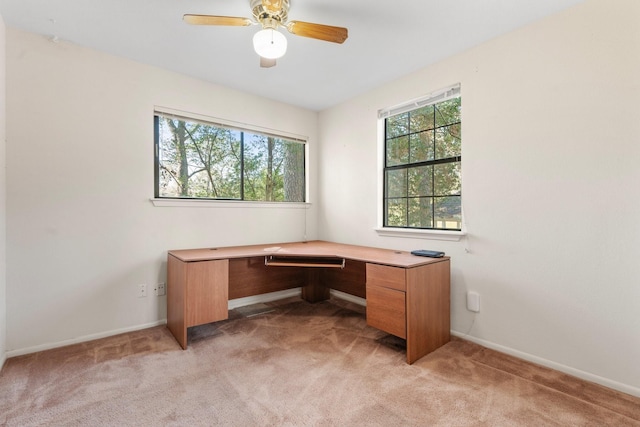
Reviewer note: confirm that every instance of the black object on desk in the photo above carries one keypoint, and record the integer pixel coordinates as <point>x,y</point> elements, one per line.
<point>428,253</point>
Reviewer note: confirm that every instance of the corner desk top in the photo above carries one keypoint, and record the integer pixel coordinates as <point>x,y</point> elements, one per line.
<point>314,248</point>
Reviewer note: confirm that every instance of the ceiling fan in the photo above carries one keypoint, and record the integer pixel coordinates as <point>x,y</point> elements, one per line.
<point>269,43</point>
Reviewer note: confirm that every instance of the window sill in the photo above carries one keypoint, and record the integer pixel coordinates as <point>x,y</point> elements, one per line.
<point>194,203</point>
<point>451,236</point>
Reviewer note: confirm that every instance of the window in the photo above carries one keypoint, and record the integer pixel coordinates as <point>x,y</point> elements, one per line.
<point>195,159</point>
<point>422,160</point>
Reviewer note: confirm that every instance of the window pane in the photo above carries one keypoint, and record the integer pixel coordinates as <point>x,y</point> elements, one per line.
<point>396,212</point>
<point>448,112</point>
<point>448,212</point>
<point>421,148</point>
<point>396,183</point>
<point>420,181</point>
<point>420,212</point>
<point>447,179</point>
<point>200,160</point>
<point>273,169</point>
<point>197,160</point>
<point>448,142</point>
<point>397,125</point>
<point>398,151</point>
<point>421,119</point>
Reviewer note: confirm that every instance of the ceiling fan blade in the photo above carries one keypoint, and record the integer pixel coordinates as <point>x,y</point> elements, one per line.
<point>217,20</point>
<point>267,63</point>
<point>318,31</point>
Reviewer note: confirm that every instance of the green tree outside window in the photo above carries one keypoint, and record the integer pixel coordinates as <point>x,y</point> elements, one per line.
<point>196,160</point>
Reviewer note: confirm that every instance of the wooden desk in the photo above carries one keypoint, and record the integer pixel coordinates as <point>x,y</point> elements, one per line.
<point>407,296</point>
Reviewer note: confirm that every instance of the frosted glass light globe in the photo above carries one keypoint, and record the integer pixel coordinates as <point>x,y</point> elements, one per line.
<point>269,43</point>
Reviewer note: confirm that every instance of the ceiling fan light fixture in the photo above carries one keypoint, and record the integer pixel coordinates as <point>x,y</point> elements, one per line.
<point>270,43</point>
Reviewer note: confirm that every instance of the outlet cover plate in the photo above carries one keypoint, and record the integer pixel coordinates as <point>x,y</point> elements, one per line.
<point>473,301</point>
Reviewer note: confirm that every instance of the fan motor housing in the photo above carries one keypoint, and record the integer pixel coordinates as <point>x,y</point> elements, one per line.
<point>265,10</point>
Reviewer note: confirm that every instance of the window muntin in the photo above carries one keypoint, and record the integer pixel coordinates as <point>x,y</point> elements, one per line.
<point>422,149</point>
<point>200,160</point>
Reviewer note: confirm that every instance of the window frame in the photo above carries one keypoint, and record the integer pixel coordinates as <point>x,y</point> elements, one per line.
<point>447,93</point>
<point>168,201</point>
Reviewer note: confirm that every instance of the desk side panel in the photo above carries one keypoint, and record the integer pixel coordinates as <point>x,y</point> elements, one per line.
<point>176,291</point>
<point>428,309</point>
<point>207,291</point>
<point>350,280</point>
<point>249,276</point>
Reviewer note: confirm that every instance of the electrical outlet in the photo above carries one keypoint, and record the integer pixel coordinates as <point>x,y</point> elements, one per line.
<point>473,301</point>
<point>142,291</point>
<point>161,289</point>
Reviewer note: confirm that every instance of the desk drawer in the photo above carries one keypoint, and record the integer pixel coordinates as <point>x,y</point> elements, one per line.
<point>385,276</point>
<point>386,310</point>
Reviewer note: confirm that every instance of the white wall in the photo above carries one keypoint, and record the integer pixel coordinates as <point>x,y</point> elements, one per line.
<point>3,199</point>
<point>550,188</point>
<point>550,174</point>
<point>82,232</point>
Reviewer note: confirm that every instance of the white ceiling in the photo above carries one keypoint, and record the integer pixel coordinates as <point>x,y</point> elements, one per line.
<point>387,39</point>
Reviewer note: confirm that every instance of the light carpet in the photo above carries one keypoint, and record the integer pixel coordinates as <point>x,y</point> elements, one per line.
<point>299,365</point>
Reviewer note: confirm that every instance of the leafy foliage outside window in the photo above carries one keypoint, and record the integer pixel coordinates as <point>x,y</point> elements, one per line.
<point>197,160</point>
<point>423,157</point>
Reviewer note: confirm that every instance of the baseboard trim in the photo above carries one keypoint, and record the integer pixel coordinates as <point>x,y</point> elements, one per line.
<point>3,359</point>
<point>271,296</point>
<point>232,304</point>
<point>85,338</point>
<point>348,297</point>
<point>615,385</point>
